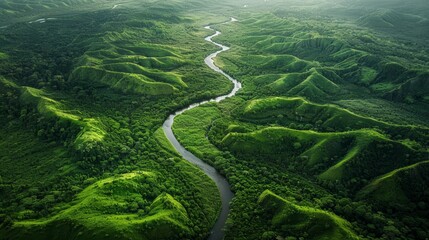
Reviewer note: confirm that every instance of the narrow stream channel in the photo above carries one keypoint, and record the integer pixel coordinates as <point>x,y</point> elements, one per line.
<point>222,184</point>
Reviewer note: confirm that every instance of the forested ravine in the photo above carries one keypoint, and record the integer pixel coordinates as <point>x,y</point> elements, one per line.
<point>221,182</point>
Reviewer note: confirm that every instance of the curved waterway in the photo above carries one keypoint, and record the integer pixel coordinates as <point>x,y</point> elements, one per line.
<point>222,184</point>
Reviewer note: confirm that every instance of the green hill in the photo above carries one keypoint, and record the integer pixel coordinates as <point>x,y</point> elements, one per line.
<point>235,61</point>
<point>412,90</point>
<point>397,22</point>
<point>87,129</point>
<point>286,111</point>
<point>122,207</point>
<point>91,129</point>
<point>155,75</point>
<point>309,48</point>
<point>311,84</point>
<point>401,186</point>
<point>400,83</point>
<point>288,219</point>
<point>125,82</point>
<point>10,11</point>
<point>354,156</point>
<point>142,68</point>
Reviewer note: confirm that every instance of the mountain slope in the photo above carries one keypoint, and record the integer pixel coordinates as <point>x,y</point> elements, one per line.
<point>293,220</point>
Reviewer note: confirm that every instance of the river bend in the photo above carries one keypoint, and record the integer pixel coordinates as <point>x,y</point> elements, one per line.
<point>222,184</point>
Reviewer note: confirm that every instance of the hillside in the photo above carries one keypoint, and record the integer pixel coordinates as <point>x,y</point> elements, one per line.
<point>293,220</point>
<point>326,104</point>
<point>311,124</point>
<point>311,85</point>
<point>401,186</point>
<point>398,23</point>
<point>115,207</point>
<point>333,156</point>
<point>322,117</point>
<point>83,92</point>
<point>114,68</point>
<point>87,130</point>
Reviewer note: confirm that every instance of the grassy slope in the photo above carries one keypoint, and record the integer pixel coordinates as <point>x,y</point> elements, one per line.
<point>337,57</point>
<point>194,138</point>
<point>278,55</point>
<point>400,186</point>
<point>91,129</point>
<point>21,10</point>
<point>123,124</point>
<point>311,84</point>
<point>346,154</point>
<point>122,74</point>
<point>127,83</point>
<point>307,47</point>
<point>111,196</point>
<point>324,116</point>
<point>294,220</point>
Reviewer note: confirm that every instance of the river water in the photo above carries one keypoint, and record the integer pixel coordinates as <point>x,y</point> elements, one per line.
<point>222,184</point>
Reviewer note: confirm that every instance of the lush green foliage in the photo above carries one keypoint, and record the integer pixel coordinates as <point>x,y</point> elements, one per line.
<point>328,105</point>
<point>327,139</point>
<point>69,129</point>
<point>293,220</point>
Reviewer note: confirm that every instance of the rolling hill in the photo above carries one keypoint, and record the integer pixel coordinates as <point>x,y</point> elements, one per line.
<point>102,210</point>
<point>288,219</point>
<point>401,186</point>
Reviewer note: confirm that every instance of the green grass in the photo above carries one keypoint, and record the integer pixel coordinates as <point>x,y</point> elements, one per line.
<point>163,141</point>
<point>98,85</point>
<point>125,82</point>
<point>285,110</point>
<point>126,69</point>
<point>400,186</point>
<point>391,112</point>
<point>339,156</point>
<point>311,85</point>
<point>91,129</point>
<point>193,137</point>
<point>100,210</point>
<point>293,220</point>
<point>161,76</point>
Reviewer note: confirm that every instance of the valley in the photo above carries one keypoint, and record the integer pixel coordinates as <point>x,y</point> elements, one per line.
<point>214,120</point>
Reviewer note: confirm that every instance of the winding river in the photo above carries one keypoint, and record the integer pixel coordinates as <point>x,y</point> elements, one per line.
<point>222,184</point>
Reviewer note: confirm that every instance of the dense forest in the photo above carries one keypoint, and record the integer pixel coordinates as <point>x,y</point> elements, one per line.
<point>328,137</point>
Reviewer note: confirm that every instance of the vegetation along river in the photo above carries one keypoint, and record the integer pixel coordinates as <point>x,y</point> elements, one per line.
<point>221,182</point>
